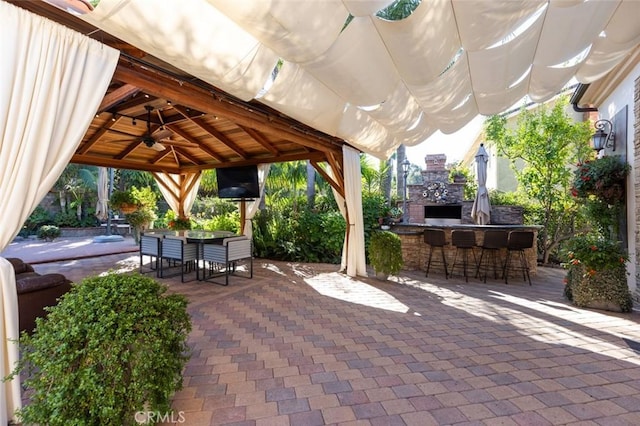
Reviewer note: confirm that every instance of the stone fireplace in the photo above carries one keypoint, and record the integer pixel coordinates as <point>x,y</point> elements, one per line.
<point>436,199</point>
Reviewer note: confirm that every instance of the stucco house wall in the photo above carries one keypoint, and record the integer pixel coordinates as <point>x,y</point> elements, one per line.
<point>627,95</point>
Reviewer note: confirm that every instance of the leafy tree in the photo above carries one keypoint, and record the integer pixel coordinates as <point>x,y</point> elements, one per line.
<point>398,10</point>
<point>76,186</point>
<point>548,142</point>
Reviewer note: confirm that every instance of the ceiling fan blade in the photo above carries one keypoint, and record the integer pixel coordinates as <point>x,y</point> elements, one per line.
<point>158,147</point>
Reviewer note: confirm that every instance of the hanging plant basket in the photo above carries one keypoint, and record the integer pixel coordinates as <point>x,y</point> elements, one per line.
<point>128,208</point>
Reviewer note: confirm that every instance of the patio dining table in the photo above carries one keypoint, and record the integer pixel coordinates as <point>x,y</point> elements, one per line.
<point>195,236</point>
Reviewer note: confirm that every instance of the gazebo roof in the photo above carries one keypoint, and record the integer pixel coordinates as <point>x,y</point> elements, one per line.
<point>198,125</point>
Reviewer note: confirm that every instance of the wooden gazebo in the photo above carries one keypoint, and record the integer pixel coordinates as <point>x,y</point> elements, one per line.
<point>193,125</point>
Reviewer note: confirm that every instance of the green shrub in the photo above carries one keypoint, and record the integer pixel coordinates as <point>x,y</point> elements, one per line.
<point>48,232</point>
<point>385,252</point>
<point>227,222</point>
<point>36,219</point>
<point>114,345</point>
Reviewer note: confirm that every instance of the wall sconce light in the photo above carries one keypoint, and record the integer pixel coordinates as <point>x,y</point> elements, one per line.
<point>604,136</point>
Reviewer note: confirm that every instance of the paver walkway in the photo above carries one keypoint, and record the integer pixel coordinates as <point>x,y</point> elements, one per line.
<point>301,344</point>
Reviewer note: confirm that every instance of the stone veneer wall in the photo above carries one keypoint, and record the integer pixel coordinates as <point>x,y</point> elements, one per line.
<point>636,169</point>
<point>500,215</point>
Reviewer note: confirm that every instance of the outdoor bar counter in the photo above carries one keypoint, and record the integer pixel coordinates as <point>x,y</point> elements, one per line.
<point>415,251</point>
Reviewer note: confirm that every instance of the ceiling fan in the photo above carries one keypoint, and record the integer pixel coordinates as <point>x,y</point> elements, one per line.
<point>151,140</point>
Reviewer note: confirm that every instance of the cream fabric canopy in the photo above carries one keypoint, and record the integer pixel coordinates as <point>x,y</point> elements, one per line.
<point>378,83</point>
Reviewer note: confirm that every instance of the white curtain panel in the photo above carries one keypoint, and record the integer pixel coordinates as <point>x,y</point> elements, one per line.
<point>53,81</point>
<point>456,58</point>
<point>252,207</point>
<point>356,261</point>
<point>179,190</point>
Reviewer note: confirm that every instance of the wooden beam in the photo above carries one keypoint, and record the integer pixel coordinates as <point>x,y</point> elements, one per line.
<point>316,155</point>
<point>222,138</point>
<point>257,136</point>
<point>117,96</point>
<point>186,155</point>
<point>202,146</point>
<point>213,132</point>
<point>85,147</point>
<point>128,150</point>
<point>93,160</point>
<point>334,184</point>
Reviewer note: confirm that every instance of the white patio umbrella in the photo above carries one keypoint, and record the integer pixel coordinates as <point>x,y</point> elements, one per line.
<point>481,210</point>
<point>102,208</point>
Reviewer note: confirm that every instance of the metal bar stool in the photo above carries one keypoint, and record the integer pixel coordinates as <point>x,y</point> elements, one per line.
<point>493,242</point>
<point>518,242</point>
<point>435,238</point>
<point>464,241</point>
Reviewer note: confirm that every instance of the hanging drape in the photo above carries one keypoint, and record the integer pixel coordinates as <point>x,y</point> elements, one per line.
<point>102,207</point>
<point>251,207</point>
<point>53,81</point>
<point>353,251</point>
<point>179,190</point>
<point>374,82</point>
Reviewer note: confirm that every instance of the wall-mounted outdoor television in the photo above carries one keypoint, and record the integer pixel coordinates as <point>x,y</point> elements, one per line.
<point>238,182</point>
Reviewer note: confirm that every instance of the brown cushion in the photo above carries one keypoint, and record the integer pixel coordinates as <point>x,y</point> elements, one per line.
<point>19,266</point>
<point>35,283</point>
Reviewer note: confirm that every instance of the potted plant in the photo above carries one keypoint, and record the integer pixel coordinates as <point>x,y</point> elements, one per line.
<point>395,213</point>
<point>145,214</point>
<point>140,220</point>
<point>123,201</point>
<point>48,232</point>
<point>114,346</point>
<point>596,274</point>
<point>385,253</point>
<point>179,224</point>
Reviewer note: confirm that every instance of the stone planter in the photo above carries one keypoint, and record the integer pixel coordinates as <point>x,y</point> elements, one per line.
<point>604,290</point>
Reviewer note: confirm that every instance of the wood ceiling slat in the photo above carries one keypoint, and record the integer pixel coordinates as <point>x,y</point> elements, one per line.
<point>256,136</point>
<point>213,132</point>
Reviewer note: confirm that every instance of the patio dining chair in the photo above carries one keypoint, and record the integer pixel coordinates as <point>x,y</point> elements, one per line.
<point>178,251</point>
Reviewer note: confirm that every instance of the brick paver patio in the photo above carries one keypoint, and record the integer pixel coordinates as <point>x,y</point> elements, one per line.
<point>301,344</point>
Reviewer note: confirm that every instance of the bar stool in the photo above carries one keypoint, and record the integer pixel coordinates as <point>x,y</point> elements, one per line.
<point>493,242</point>
<point>435,238</point>
<point>518,242</point>
<point>464,241</point>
